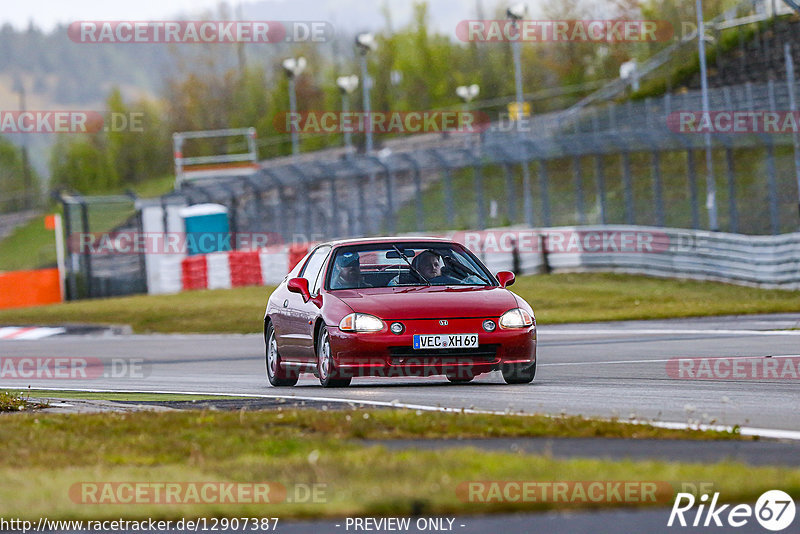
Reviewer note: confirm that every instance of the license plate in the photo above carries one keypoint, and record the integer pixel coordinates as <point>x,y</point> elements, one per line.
<point>445,341</point>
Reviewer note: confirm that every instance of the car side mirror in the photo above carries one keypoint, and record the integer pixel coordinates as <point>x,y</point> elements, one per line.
<point>299,285</point>
<point>506,278</point>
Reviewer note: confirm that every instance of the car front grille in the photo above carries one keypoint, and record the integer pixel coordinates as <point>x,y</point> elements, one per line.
<point>482,353</point>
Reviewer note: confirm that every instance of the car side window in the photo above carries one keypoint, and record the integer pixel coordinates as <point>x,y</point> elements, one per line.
<point>313,268</point>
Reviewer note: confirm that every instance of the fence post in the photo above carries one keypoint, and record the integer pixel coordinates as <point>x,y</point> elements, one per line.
<point>601,186</point>
<point>543,187</point>
<point>626,178</point>
<point>72,288</point>
<point>787,51</point>
<point>657,188</point>
<point>734,215</point>
<point>772,180</point>
<point>362,205</point>
<point>309,211</point>
<point>87,258</point>
<point>420,209</point>
<point>579,201</point>
<point>278,185</point>
<point>510,194</point>
<point>479,196</point>
<point>389,193</point>
<point>448,189</point>
<point>692,187</point>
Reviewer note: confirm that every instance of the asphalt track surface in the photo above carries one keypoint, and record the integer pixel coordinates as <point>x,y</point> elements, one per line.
<point>600,369</point>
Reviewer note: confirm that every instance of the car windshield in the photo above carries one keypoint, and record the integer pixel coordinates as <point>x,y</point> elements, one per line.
<point>406,264</point>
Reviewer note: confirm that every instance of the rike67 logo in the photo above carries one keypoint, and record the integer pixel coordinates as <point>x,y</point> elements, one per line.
<point>774,510</point>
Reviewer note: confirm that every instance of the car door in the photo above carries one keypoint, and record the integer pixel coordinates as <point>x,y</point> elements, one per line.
<point>298,340</point>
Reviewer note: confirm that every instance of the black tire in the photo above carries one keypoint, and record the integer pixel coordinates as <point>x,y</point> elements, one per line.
<point>518,374</point>
<point>329,375</point>
<point>277,376</point>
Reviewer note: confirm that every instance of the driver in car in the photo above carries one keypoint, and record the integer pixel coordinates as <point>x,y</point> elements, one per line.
<point>347,272</point>
<point>430,264</point>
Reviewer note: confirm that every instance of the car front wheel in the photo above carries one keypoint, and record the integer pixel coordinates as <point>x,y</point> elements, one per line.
<point>329,375</point>
<point>518,374</point>
<point>276,376</point>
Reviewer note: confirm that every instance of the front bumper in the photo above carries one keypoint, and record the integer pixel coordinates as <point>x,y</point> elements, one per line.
<point>386,354</point>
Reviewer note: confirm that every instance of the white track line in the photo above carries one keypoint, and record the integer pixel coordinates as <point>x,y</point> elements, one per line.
<point>674,331</point>
<point>745,431</point>
<point>615,362</point>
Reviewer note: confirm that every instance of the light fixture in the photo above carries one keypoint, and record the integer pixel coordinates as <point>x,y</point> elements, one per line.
<point>347,84</point>
<point>366,42</point>
<point>517,11</point>
<point>294,67</point>
<point>467,93</point>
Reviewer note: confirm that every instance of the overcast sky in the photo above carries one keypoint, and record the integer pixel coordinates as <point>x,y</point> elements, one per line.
<point>46,14</point>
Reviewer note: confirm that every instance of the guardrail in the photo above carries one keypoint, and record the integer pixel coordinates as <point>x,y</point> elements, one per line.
<point>770,262</point>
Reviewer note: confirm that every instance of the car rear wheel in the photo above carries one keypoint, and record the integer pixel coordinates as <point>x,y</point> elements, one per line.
<point>276,376</point>
<point>518,374</point>
<point>329,375</point>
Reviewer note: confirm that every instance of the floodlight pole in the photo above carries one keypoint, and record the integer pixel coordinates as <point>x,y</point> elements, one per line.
<point>348,140</point>
<point>293,111</point>
<point>787,50</point>
<point>526,177</point>
<point>711,188</point>
<point>365,83</point>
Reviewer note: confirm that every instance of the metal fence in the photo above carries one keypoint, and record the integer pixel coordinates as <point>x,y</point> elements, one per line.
<point>94,269</point>
<point>617,163</point>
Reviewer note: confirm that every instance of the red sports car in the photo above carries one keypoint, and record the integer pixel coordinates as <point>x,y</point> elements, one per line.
<point>397,307</point>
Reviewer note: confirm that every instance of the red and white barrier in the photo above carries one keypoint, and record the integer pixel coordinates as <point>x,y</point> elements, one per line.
<point>237,268</point>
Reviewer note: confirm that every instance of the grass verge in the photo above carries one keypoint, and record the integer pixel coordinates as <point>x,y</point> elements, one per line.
<point>15,402</point>
<point>298,449</point>
<point>90,395</point>
<point>558,298</point>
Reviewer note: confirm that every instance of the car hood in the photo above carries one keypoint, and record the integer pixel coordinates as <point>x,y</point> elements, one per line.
<point>435,302</point>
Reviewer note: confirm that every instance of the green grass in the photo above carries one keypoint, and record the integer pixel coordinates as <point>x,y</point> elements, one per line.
<point>556,298</point>
<point>308,447</point>
<point>28,247</point>
<point>154,187</point>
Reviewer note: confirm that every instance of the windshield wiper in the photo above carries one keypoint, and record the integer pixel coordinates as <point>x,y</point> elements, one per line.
<point>463,270</point>
<point>427,282</point>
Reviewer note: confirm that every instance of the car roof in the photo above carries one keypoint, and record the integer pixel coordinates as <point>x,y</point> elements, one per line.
<point>379,240</point>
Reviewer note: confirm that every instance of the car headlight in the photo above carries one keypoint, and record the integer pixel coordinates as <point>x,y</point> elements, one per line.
<point>360,322</point>
<point>516,318</point>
